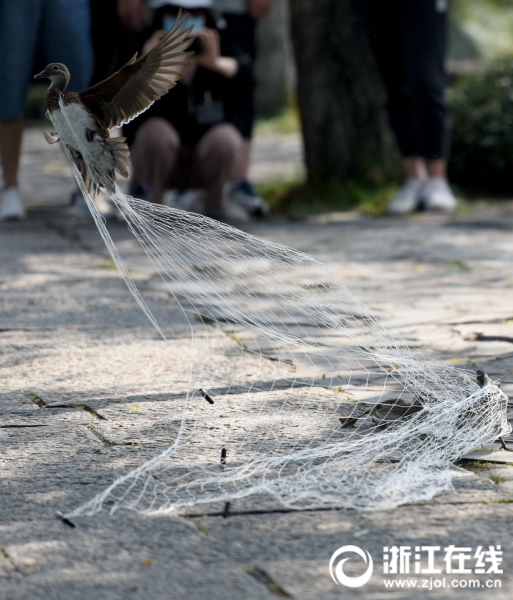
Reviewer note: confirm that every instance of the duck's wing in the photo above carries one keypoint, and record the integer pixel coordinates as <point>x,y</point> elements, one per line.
<point>136,86</point>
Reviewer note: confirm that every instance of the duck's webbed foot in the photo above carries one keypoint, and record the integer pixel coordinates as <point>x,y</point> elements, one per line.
<point>51,138</point>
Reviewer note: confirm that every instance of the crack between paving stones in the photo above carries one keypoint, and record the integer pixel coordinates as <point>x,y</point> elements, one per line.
<point>21,425</point>
<point>7,557</point>
<point>45,406</point>
<point>277,511</point>
<point>107,443</point>
<point>72,237</point>
<point>264,578</point>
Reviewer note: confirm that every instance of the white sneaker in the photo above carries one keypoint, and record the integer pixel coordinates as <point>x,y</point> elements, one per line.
<point>12,208</point>
<point>230,213</point>
<point>106,207</point>
<point>235,213</point>
<point>190,200</point>
<point>408,198</point>
<point>79,209</point>
<point>437,195</point>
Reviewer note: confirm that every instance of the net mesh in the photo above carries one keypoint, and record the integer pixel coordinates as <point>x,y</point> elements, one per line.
<point>295,389</point>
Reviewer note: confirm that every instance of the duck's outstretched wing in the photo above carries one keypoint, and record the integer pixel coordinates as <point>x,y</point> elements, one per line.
<point>136,86</point>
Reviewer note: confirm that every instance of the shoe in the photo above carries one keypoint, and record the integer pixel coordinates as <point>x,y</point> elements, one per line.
<point>12,208</point>
<point>408,198</point>
<point>230,213</point>
<point>106,207</point>
<point>137,190</point>
<point>437,195</point>
<point>243,194</point>
<point>188,200</point>
<point>79,209</point>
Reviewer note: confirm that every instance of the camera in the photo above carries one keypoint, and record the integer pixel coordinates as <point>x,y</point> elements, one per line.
<point>196,46</point>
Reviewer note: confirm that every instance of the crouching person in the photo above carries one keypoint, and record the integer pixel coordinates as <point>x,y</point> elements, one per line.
<point>185,141</point>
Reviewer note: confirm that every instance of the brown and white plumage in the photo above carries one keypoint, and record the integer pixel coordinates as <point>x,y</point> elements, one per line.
<point>82,120</point>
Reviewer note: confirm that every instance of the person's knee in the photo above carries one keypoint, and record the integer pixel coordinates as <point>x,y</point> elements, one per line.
<point>223,142</point>
<point>230,140</point>
<point>156,135</point>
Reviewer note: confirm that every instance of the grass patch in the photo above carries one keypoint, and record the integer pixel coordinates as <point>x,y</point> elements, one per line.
<point>287,121</point>
<point>497,479</point>
<point>108,264</point>
<point>458,265</point>
<point>470,465</point>
<point>505,501</point>
<point>299,198</point>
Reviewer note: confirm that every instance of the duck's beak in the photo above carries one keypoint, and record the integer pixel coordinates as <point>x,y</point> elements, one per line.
<point>42,75</point>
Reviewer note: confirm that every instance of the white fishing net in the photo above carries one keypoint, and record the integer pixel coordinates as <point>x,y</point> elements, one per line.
<point>296,390</point>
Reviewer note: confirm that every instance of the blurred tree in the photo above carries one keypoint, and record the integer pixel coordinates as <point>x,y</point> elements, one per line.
<point>340,95</point>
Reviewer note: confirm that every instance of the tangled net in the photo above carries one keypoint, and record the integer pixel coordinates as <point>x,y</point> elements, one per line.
<point>295,388</point>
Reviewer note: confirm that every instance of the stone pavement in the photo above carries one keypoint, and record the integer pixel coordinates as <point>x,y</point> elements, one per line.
<point>88,391</point>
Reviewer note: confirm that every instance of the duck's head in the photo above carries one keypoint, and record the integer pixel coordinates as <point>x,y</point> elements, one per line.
<point>57,73</point>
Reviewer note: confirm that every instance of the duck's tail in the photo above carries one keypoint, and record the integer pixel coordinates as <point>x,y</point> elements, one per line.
<point>95,178</point>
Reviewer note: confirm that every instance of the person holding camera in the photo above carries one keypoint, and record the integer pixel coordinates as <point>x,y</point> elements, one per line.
<point>186,140</point>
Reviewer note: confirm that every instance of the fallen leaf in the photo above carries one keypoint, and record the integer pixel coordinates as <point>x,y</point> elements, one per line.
<point>361,532</point>
<point>29,562</point>
<point>135,407</point>
<point>147,561</point>
<point>347,421</point>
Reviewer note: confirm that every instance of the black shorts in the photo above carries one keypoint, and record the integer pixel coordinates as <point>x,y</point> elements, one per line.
<point>238,40</point>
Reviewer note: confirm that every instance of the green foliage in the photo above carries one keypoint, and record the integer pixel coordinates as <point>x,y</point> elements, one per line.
<point>35,106</point>
<point>287,121</point>
<point>482,112</point>
<point>298,198</point>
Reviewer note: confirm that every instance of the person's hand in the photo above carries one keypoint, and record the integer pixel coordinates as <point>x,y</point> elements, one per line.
<point>211,48</point>
<point>130,13</point>
<point>258,8</point>
<point>210,56</point>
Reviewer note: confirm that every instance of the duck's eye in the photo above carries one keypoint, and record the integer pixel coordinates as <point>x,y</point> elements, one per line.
<point>55,68</point>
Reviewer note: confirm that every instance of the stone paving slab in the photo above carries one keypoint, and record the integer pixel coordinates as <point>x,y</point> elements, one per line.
<point>75,347</point>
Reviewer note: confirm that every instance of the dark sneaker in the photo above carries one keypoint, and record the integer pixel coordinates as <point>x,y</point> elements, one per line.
<point>243,194</point>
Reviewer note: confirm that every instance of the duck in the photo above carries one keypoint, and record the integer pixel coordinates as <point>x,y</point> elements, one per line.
<point>82,120</point>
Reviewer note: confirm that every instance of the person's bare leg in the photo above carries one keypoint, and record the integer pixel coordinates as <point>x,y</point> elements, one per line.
<point>242,167</point>
<point>155,153</point>
<point>415,168</point>
<point>437,168</point>
<point>215,159</point>
<point>10,147</point>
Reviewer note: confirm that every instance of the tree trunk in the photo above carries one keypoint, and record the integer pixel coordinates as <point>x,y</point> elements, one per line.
<point>340,94</point>
<point>274,67</point>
